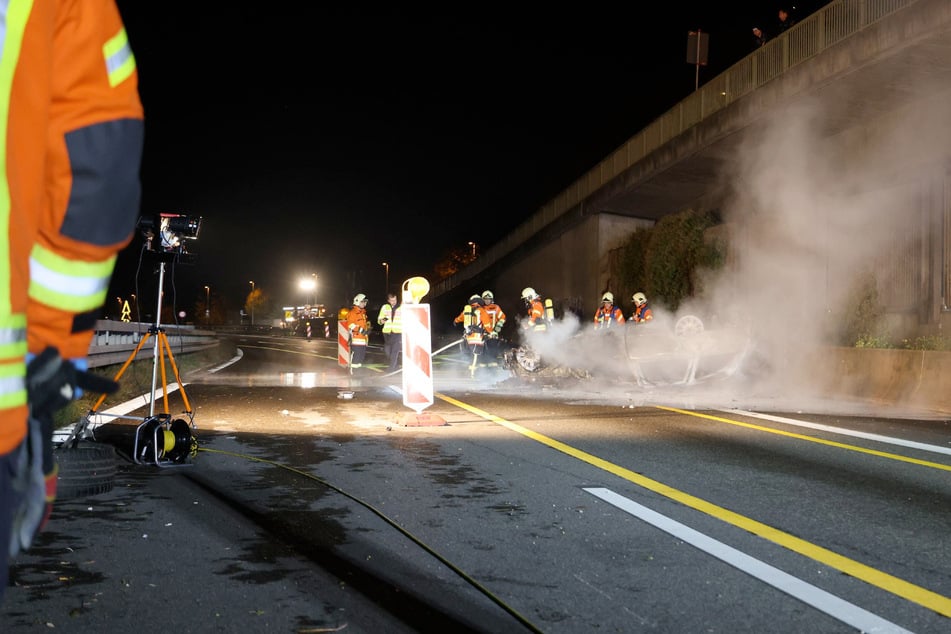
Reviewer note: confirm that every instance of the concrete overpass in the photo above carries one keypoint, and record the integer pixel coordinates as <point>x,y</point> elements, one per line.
<point>871,65</point>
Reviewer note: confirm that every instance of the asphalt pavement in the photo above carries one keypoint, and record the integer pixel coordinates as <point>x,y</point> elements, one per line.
<point>174,549</point>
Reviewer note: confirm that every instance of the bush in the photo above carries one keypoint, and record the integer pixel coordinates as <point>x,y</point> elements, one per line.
<point>863,324</point>
<point>665,260</point>
<point>927,342</point>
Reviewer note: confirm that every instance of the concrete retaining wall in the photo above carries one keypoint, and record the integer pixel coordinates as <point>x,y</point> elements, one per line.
<point>913,378</point>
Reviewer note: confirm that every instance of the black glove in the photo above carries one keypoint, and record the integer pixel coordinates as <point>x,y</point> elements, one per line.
<point>51,383</point>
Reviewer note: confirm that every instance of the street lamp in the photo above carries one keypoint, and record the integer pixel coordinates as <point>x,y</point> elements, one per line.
<point>473,245</point>
<point>307,285</point>
<point>387,267</point>
<point>251,301</point>
<point>207,303</point>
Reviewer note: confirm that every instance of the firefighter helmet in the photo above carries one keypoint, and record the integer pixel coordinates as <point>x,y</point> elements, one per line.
<point>359,298</point>
<point>608,297</point>
<point>488,296</point>
<point>639,299</point>
<point>528,294</point>
<point>476,300</point>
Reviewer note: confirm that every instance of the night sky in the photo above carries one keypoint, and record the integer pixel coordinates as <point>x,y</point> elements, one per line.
<point>329,139</point>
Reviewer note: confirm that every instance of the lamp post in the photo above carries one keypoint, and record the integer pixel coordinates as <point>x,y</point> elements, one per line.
<point>207,303</point>
<point>251,301</point>
<point>473,245</point>
<point>386,289</point>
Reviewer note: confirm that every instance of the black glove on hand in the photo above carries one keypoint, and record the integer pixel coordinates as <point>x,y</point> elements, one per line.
<point>51,383</point>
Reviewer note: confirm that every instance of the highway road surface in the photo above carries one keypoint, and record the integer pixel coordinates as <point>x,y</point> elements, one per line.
<point>557,504</point>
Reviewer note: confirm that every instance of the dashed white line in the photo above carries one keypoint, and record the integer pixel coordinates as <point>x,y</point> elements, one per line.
<point>821,600</point>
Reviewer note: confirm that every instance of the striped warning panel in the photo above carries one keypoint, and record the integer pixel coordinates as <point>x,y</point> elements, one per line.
<point>343,344</point>
<point>417,357</point>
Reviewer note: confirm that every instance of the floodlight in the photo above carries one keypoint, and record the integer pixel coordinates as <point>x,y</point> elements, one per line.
<point>171,230</point>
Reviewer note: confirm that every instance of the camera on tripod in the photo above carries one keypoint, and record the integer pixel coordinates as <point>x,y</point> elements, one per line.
<point>166,234</point>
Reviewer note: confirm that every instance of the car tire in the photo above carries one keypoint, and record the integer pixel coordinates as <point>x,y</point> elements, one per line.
<point>88,468</point>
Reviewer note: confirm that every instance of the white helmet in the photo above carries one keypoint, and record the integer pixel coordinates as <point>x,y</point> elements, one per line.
<point>359,298</point>
<point>639,299</point>
<point>488,296</point>
<point>608,297</point>
<point>528,293</point>
<point>477,299</point>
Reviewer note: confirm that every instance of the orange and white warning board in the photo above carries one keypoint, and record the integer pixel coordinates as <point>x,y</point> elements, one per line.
<point>343,345</point>
<point>417,357</point>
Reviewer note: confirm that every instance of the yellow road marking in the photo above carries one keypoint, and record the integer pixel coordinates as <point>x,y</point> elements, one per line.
<point>899,587</point>
<point>820,441</point>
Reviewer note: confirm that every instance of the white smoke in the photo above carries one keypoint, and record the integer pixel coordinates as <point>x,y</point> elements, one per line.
<point>810,211</point>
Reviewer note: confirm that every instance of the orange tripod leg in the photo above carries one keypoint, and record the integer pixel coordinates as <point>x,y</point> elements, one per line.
<point>178,378</point>
<point>122,369</point>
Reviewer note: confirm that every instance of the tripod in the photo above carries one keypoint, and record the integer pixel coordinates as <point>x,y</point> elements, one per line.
<point>159,439</point>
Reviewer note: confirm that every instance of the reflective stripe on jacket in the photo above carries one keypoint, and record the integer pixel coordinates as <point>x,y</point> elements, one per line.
<point>604,317</point>
<point>358,326</point>
<point>390,319</point>
<point>641,314</point>
<point>497,315</point>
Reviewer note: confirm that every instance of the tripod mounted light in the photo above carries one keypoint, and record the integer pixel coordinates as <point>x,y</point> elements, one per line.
<point>172,230</point>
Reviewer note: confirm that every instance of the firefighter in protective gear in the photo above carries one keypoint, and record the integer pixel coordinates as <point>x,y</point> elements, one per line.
<point>607,313</point>
<point>72,147</point>
<point>480,318</point>
<point>537,315</point>
<point>495,311</point>
<point>359,329</point>
<point>390,319</point>
<point>642,312</point>
<point>476,322</point>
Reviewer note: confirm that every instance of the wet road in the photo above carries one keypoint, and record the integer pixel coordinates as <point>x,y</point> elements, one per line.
<point>550,505</point>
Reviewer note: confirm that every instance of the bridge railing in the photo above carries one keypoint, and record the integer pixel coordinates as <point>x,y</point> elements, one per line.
<point>114,341</point>
<point>812,35</point>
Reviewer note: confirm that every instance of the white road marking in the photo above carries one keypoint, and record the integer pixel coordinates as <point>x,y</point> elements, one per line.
<point>821,600</point>
<point>107,416</point>
<point>845,432</point>
<point>237,357</point>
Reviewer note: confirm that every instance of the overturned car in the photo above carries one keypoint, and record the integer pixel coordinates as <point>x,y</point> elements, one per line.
<point>679,351</point>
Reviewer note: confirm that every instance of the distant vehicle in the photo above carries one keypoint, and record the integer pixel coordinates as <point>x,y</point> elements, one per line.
<point>309,321</point>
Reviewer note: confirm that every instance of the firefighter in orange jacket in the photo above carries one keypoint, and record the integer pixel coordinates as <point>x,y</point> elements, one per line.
<point>481,318</point>
<point>359,329</point>
<point>607,313</point>
<point>477,323</point>
<point>537,318</point>
<point>493,345</point>
<point>72,147</point>
<point>642,312</point>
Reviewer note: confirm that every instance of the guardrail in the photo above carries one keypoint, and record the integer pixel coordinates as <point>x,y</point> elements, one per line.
<point>114,341</point>
<point>817,32</point>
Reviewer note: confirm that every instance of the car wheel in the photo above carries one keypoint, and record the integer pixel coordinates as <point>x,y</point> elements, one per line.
<point>88,468</point>
<point>688,325</point>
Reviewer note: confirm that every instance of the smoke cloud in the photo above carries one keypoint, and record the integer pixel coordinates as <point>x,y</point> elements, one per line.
<point>814,205</point>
